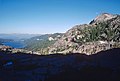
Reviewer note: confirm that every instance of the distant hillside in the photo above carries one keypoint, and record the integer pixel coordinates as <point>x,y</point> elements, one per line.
<point>38,43</point>
<point>102,33</point>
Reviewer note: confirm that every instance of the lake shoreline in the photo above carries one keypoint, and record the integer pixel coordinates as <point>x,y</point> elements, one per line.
<point>15,44</point>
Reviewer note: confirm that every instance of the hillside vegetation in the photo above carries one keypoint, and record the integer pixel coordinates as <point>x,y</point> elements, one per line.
<point>40,42</point>
<point>101,34</point>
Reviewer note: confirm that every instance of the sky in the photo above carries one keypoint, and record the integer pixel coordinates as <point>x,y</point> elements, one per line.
<point>51,16</point>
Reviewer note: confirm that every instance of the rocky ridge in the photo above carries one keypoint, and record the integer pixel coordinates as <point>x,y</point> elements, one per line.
<point>100,34</point>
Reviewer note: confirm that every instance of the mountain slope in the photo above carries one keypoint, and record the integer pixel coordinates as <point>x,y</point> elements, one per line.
<point>38,43</point>
<point>101,34</point>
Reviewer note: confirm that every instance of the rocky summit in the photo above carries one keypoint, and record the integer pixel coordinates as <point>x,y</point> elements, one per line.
<point>103,17</point>
<point>100,34</point>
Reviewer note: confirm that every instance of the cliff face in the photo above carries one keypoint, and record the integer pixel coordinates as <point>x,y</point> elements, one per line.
<point>101,34</point>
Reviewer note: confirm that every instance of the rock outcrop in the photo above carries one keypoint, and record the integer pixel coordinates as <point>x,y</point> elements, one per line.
<point>102,18</point>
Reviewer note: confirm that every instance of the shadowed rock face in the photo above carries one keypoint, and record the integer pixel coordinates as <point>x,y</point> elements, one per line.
<point>103,66</point>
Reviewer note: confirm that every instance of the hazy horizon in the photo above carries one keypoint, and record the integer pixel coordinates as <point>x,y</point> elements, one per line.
<point>50,16</point>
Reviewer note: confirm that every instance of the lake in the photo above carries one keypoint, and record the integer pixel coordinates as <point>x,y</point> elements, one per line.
<point>15,44</point>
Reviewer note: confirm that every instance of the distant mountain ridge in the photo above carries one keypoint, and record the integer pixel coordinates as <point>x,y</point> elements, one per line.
<point>16,36</point>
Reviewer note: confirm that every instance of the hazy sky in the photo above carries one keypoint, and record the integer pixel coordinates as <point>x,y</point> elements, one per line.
<point>50,16</point>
